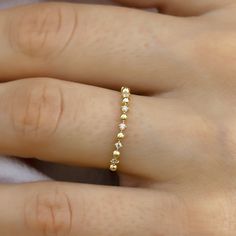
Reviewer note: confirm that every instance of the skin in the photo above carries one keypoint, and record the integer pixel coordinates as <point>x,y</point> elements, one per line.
<point>62,66</point>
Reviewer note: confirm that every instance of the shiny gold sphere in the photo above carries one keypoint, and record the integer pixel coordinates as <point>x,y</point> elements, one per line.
<point>120,136</point>
<point>124,117</point>
<point>113,167</point>
<point>116,153</point>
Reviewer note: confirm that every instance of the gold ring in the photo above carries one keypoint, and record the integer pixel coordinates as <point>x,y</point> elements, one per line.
<point>125,99</point>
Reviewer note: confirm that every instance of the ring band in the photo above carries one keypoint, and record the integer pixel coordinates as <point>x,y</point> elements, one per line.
<point>125,99</point>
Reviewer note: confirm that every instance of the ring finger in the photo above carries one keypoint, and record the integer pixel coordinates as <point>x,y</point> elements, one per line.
<point>52,119</point>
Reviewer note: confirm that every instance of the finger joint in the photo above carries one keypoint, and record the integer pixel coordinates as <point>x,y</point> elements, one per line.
<point>42,31</point>
<point>49,212</point>
<point>37,109</point>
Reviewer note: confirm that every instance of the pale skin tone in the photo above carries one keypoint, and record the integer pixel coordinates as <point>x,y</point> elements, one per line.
<point>178,164</point>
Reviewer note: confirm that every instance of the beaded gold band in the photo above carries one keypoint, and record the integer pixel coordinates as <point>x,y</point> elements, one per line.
<point>125,96</point>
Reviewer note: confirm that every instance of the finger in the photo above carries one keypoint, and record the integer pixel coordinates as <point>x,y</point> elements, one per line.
<point>180,7</point>
<point>69,209</point>
<point>76,42</point>
<point>66,122</point>
<point>77,124</point>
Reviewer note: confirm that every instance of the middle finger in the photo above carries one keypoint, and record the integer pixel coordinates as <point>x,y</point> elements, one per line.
<point>99,45</point>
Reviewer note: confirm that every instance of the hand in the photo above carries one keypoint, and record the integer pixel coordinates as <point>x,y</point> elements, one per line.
<point>178,168</point>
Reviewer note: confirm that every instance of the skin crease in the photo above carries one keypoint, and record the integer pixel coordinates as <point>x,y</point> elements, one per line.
<point>178,165</point>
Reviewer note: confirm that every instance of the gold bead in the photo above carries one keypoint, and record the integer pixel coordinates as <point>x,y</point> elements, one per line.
<point>116,153</point>
<point>123,117</point>
<point>120,135</point>
<point>125,92</point>
<point>113,167</point>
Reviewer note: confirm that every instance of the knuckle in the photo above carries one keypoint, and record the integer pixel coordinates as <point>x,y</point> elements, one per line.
<point>49,212</point>
<point>43,30</point>
<point>37,109</point>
